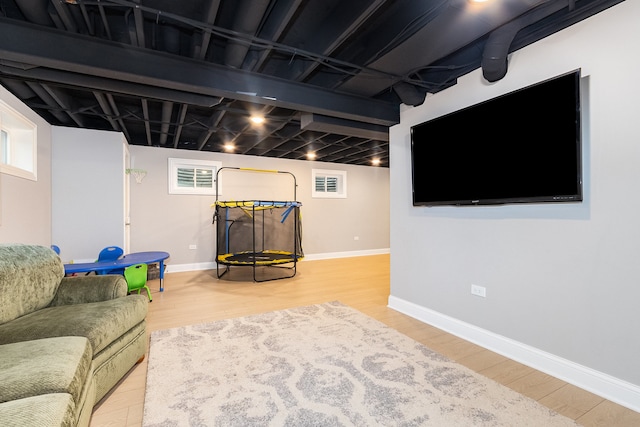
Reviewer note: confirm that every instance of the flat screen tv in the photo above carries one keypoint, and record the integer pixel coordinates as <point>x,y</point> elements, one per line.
<point>522,147</point>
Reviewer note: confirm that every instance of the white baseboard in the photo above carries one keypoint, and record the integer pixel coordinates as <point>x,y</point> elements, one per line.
<point>177,268</point>
<point>349,254</point>
<point>596,382</point>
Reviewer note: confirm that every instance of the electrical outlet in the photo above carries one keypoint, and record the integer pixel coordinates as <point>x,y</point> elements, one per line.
<point>193,247</point>
<point>480,291</point>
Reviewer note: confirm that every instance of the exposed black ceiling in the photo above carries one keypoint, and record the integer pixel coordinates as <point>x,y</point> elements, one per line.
<point>328,75</point>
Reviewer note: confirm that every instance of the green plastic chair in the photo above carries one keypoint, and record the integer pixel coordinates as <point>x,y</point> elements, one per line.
<point>136,276</point>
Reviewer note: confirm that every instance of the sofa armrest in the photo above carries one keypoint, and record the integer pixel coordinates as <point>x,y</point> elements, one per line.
<point>85,289</point>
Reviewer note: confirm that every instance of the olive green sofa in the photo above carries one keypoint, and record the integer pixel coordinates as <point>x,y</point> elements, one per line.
<point>64,341</point>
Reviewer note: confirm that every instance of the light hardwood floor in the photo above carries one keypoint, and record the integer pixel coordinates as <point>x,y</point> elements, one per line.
<point>362,283</point>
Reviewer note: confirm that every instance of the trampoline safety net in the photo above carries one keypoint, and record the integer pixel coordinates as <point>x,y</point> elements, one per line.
<point>258,233</point>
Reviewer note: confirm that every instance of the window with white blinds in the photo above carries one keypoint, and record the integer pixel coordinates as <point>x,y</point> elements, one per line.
<point>329,183</point>
<point>18,144</point>
<point>195,178</point>
<point>4,147</point>
<point>187,176</point>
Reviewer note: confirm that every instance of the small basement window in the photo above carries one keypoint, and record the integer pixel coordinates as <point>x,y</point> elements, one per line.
<point>18,144</point>
<point>330,184</point>
<point>187,176</point>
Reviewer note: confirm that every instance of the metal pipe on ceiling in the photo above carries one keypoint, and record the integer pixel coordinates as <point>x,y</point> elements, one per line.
<point>182,114</point>
<point>116,112</point>
<point>200,50</point>
<point>167,110</point>
<point>147,120</point>
<point>51,103</point>
<point>66,102</point>
<point>247,21</point>
<point>65,16</point>
<point>106,109</point>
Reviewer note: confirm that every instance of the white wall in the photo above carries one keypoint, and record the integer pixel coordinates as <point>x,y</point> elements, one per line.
<point>160,221</point>
<point>88,198</point>
<point>562,280</point>
<point>25,205</point>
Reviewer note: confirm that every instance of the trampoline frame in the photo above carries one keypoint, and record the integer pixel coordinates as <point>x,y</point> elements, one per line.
<point>258,257</point>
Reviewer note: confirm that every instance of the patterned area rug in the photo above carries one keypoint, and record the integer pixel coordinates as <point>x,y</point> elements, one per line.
<point>321,365</point>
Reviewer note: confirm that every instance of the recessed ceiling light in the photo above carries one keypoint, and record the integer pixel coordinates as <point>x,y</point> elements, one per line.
<point>375,162</point>
<point>257,119</point>
<point>311,156</point>
<point>229,147</point>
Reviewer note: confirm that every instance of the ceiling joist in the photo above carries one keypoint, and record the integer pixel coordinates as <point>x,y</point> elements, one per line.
<point>49,48</point>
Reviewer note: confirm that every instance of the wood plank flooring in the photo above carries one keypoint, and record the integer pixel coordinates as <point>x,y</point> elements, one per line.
<point>362,283</point>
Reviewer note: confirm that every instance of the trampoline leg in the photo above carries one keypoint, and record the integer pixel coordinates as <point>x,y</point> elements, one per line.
<point>226,269</point>
<point>294,268</point>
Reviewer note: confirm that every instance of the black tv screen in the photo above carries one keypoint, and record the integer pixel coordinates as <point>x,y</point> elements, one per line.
<point>522,147</point>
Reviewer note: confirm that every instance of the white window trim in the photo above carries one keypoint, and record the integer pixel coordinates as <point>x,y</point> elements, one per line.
<point>23,126</point>
<point>341,176</point>
<point>175,163</point>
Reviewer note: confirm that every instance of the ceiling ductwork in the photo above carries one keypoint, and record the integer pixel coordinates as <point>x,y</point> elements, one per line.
<point>409,94</point>
<point>496,50</point>
<point>36,11</point>
<point>247,21</point>
<point>338,126</point>
<point>447,27</point>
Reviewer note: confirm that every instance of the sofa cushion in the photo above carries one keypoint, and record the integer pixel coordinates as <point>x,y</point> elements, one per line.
<point>100,322</point>
<point>47,410</point>
<point>51,365</point>
<point>29,278</point>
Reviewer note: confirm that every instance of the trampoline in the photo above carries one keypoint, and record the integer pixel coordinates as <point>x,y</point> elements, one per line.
<point>257,234</point>
<point>266,257</point>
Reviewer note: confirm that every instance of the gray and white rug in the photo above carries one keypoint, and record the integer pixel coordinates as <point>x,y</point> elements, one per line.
<point>321,365</point>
